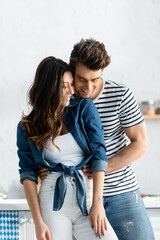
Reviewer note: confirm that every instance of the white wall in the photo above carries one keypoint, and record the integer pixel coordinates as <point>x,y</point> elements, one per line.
<point>33,29</point>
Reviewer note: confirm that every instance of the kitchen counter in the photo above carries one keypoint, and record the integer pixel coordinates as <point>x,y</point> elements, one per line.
<point>152,202</point>
<point>14,204</point>
<point>26,225</point>
<point>21,204</point>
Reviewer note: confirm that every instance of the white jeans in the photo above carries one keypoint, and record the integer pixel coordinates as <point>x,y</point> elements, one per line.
<point>69,219</point>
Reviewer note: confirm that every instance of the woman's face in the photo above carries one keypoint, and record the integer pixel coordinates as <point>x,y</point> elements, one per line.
<point>68,88</point>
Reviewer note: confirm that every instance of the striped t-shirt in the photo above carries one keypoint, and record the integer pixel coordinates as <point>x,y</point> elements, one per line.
<point>118,109</point>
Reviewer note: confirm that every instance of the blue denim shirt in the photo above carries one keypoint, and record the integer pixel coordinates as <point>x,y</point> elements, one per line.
<point>83,121</point>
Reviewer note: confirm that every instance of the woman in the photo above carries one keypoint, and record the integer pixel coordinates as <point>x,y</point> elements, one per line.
<point>62,135</point>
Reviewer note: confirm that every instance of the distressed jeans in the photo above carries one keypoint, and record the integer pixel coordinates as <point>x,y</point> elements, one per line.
<point>128,217</point>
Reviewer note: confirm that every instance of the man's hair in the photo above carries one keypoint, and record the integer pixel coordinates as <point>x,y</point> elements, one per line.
<point>90,53</point>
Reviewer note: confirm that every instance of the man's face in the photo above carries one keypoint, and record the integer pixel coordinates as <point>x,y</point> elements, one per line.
<point>87,83</point>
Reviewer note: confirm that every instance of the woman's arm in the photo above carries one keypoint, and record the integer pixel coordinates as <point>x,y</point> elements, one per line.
<point>98,165</point>
<point>42,231</point>
<point>27,166</point>
<point>29,178</point>
<point>97,213</point>
<point>95,135</point>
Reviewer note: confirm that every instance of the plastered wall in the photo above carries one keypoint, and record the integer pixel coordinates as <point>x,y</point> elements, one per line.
<point>32,30</point>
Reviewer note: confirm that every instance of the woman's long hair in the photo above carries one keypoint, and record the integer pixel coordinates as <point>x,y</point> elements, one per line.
<point>45,97</point>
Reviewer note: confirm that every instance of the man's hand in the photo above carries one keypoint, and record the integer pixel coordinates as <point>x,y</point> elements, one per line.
<point>87,172</point>
<point>42,173</point>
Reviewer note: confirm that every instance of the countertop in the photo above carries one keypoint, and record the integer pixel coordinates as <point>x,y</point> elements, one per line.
<point>21,204</point>
<point>152,202</point>
<point>14,204</point>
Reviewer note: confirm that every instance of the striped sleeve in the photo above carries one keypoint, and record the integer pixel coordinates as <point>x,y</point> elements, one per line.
<point>130,114</point>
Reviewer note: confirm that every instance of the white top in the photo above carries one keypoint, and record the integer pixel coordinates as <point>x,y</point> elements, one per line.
<point>70,154</point>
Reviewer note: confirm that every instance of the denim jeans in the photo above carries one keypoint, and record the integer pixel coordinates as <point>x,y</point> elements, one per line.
<point>69,219</point>
<point>128,217</point>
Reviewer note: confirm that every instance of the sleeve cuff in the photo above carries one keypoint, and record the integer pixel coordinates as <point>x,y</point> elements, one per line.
<point>28,175</point>
<point>98,165</point>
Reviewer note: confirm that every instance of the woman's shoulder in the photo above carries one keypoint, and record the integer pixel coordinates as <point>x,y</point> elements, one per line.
<point>20,127</point>
<point>82,106</point>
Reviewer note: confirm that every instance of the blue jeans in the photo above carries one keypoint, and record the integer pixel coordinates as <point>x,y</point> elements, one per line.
<point>128,217</point>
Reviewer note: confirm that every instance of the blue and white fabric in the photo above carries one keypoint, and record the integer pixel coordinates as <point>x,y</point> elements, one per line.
<point>118,110</point>
<point>9,225</point>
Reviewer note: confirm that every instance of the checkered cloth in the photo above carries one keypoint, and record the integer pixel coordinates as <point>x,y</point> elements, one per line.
<point>9,225</point>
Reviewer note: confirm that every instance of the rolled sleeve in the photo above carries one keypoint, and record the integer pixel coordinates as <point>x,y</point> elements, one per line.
<point>98,165</point>
<point>28,175</point>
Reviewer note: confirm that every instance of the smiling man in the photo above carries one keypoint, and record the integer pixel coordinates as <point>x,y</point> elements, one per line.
<point>88,83</point>
<point>125,138</point>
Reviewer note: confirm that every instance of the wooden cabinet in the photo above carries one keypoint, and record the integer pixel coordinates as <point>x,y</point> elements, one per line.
<point>155,116</point>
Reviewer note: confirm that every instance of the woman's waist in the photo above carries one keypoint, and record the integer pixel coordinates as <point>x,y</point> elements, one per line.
<point>65,160</point>
<point>53,176</point>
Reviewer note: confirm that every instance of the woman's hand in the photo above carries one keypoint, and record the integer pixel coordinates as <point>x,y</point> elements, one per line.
<point>42,173</point>
<point>42,231</point>
<point>98,219</point>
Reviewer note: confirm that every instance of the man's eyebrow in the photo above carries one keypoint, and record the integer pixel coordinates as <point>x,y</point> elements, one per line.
<point>86,79</point>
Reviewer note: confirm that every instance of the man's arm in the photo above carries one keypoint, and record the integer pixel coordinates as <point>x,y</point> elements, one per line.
<point>137,148</point>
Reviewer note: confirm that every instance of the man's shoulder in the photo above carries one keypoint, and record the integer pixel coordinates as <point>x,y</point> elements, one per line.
<point>113,84</point>
<point>112,89</point>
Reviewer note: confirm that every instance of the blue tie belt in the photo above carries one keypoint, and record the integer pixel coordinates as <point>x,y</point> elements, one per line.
<point>61,188</point>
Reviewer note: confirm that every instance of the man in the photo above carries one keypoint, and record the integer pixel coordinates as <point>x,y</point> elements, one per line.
<point>125,138</point>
